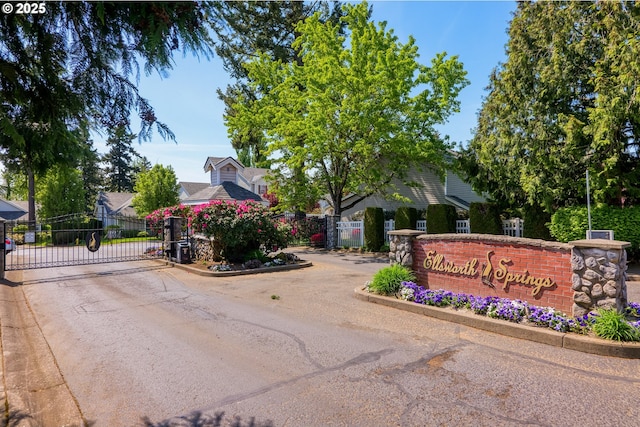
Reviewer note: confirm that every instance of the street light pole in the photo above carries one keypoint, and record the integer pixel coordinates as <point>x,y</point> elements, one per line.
<point>588,205</point>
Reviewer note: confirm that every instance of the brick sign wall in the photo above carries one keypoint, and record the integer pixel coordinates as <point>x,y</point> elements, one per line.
<point>485,265</point>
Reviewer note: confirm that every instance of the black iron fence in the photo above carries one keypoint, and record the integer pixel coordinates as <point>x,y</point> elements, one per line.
<point>78,240</point>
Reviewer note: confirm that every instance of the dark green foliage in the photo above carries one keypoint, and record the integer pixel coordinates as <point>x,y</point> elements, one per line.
<point>561,104</point>
<point>484,218</point>
<point>535,223</point>
<point>373,228</point>
<point>611,325</point>
<point>75,67</point>
<point>406,218</point>
<point>569,224</point>
<point>441,219</point>
<point>73,230</point>
<point>388,280</point>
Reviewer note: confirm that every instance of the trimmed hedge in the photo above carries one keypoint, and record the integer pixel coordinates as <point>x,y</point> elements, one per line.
<point>373,228</point>
<point>484,218</point>
<point>569,224</point>
<point>406,218</point>
<point>535,223</point>
<point>441,219</point>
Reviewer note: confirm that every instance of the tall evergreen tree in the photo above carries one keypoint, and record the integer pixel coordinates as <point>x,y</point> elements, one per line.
<point>566,100</point>
<point>119,167</point>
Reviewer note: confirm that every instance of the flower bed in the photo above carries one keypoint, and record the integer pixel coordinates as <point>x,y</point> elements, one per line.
<point>521,312</point>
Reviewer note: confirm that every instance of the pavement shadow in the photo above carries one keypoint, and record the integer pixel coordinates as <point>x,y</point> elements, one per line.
<point>198,419</point>
<point>15,418</point>
<point>82,276</point>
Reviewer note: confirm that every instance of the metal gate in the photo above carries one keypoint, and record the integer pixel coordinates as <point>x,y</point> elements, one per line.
<point>79,240</point>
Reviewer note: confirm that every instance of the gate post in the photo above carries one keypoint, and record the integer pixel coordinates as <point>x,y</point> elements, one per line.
<point>172,234</point>
<point>3,253</point>
<point>332,231</point>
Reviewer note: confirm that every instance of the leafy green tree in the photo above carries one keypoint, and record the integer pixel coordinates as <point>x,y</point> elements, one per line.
<point>564,101</point>
<point>359,113</point>
<point>14,185</point>
<point>155,189</point>
<point>73,66</point>
<point>245,28</point>
<point>60,192</point>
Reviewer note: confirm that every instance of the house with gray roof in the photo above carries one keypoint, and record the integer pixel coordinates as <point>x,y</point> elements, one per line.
<point>116,209</point>
<point>189,188</point>
<point>14,210</point>
<point>428,189</point>
<point>230,180</point>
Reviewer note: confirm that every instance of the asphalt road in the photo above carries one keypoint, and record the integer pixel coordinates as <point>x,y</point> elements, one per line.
<point>138,342</point>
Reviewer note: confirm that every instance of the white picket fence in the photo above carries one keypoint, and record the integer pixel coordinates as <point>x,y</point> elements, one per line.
<point>351,233</point>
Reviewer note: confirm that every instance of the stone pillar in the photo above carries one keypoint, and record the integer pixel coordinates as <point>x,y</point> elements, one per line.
<point>332,231</point>
<point>401,246</point>
<point>172,234</point>
<point>599,275</point>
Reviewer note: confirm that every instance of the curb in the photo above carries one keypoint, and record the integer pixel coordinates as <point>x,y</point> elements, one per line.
<point>273,269</point>
<point>540,335</point>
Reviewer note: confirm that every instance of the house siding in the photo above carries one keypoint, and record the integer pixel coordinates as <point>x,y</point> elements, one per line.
<point>457,187</point>
<point>429,191</point>
<point>228,173</point>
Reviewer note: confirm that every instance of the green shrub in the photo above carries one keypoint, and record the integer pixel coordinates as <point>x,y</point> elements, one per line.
<point>484,218</point>
<point>441,219</point>
<point>129,234</point>
<point>373,228</point>
<point>569,224</point>
<point>384,248</point>
<point>535,223</point>
<point>256,255</point>
<point>387,281</point>
<point>406,218</point>
<point>142,233</point>
<point>611,325</point>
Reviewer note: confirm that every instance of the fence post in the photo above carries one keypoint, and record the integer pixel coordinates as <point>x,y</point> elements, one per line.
<point>3,253</point>
<point>332,231</point>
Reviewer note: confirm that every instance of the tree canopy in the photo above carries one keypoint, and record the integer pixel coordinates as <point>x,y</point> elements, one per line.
<point>356,112</point>
<point>566,100</point>
<point>155,189</point>
<point>61,192</point>
<point>243,30</point>
<point>74,67</point>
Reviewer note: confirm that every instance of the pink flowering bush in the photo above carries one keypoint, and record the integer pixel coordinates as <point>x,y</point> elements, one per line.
<point>238,228</point>
<point>156,218</point>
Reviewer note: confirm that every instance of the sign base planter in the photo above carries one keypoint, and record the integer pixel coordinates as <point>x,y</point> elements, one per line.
<point>572,341</point>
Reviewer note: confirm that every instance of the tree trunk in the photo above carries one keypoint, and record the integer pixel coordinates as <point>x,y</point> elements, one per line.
<point>32,198</point>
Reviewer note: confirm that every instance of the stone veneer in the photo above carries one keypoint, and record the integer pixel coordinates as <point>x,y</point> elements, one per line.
<point>204,249</point>
<point>599,275</point>
<point>587,274</point>
<point>401,246</point>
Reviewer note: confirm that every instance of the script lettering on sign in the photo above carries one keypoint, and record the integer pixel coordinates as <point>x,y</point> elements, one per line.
<point>435,262</point>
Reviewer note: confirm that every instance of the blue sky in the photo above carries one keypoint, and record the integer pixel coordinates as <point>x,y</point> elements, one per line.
<point>186,100</point>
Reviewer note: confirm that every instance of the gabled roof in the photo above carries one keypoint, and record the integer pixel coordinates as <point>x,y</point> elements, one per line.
<point>225,191</point>
<point>216,162</point>
<point>254,174</point>
<point>193,187</point>
<point>117,203</point>
<point>12,210</point>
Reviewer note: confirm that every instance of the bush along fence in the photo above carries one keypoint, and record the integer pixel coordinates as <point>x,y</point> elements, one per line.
<point>575,277</point>
<point>349,233</point>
